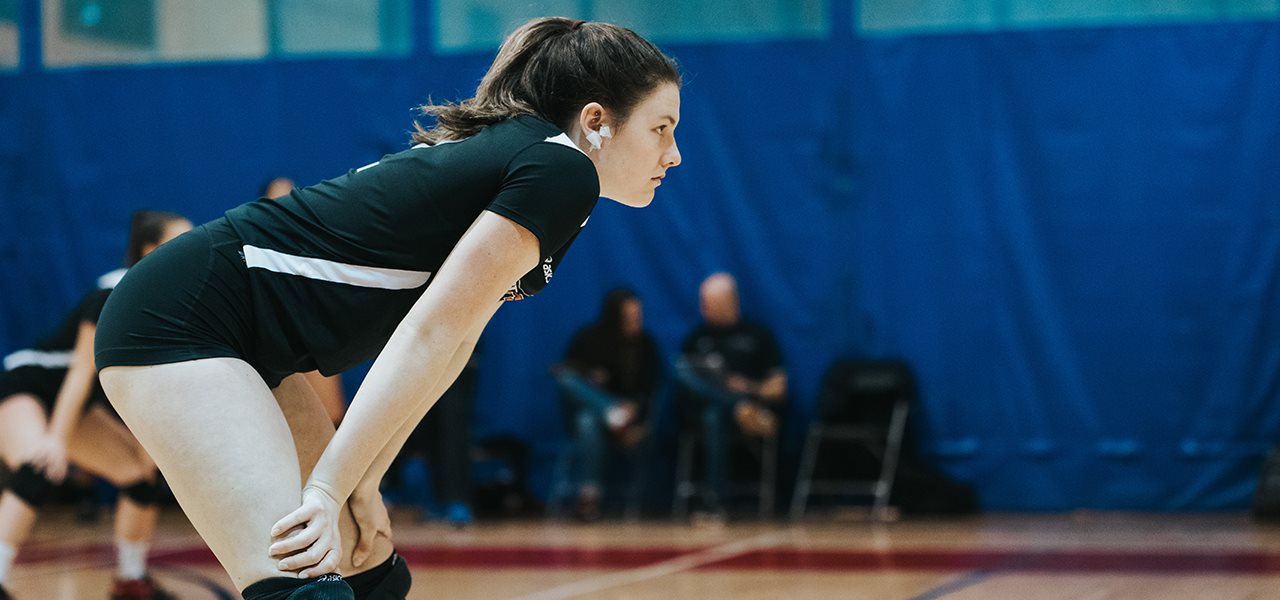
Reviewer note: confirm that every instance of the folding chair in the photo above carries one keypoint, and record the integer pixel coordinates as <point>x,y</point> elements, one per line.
<point>864,402</point>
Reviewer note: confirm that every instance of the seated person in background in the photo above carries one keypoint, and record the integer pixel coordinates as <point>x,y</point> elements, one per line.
<point>442,441</point>
<point>610,376</point>
<point>732,372</point>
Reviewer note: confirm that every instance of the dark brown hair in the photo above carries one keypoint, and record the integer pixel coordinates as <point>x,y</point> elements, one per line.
<point>146,227</point>
<point>610,322</point>
<point>551,67</point>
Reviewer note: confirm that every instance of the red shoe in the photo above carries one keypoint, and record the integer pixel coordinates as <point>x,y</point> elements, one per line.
<point>139,589</point>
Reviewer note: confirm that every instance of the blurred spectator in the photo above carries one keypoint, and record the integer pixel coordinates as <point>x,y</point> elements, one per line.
<point>53,415</point>
<point>277,187</point>
<point>610,374</point>
<point>734,382</point>
<point>443,441</point>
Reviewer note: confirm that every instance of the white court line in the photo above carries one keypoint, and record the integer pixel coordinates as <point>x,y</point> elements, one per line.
<point>672,566</point>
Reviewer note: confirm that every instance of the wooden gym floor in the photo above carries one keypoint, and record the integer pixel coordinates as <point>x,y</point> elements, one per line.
<point>995,557</point>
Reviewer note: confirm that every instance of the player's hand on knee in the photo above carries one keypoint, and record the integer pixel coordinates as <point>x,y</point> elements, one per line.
<point>307,540</point>
<point>50,458</point>
<point>371,521</point>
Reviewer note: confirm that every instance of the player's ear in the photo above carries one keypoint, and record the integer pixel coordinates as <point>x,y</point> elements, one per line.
<point>591,116</point>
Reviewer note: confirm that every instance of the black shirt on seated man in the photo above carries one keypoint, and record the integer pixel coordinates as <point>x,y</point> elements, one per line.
<point>733,376</point>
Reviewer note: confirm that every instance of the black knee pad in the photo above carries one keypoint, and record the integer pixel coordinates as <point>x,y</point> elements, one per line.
<point>144,493</point>
<point>30,485</point>
<point>388,581</point>
<point>327,587</point>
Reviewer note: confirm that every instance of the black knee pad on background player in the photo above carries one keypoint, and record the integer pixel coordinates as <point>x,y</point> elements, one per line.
<point>30,485</point>
<point>388,581</point>
<point>144,493</point>
<point>327,587</point>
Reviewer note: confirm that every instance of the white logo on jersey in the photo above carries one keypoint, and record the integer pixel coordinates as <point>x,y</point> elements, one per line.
<point>546,270</point>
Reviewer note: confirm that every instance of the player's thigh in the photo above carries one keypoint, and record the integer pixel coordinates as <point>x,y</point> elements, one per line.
<point>309,423</point>
<point>219,437</point>
<point>102,445</point>
<point>22,423</point>
<point>312,429</point>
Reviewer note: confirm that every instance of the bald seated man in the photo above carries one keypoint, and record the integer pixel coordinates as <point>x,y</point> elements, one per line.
<point>734,379</point>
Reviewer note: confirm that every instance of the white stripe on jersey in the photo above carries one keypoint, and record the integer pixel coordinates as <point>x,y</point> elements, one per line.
<point>563,140</point>
<point>38,358</point>
<point>336,272</point>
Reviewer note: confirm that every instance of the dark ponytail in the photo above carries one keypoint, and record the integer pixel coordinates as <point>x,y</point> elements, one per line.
<point>146,227</point>
<point>551,67</point>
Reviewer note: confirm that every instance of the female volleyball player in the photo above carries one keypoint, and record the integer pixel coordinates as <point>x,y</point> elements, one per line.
<point>52,412</point>
<point>201,345</point>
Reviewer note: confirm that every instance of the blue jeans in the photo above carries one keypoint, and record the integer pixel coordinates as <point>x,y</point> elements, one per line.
<point>589,406</point>
<point>716,406</point>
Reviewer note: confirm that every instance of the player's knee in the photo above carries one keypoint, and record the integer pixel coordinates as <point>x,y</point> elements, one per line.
<point>145,492</point>
<point>390,580</point>
<point>30,485</point>
<point>328,587</point>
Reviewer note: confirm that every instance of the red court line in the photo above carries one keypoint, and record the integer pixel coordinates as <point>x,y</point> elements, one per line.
<point>771,559</point>
<point>542,557</point>
<point>790,559</point>
<point>517,557</point>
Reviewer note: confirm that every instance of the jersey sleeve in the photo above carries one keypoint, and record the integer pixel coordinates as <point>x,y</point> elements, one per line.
<point>537,279</point>
<point>550,190</point>
<point>91,306</point>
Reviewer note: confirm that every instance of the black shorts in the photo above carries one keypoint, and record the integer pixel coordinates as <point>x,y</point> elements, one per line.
<point>43,384</point>
<point>190,299</point>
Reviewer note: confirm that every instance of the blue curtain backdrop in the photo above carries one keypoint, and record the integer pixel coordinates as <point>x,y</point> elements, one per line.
<point>1073,235</point>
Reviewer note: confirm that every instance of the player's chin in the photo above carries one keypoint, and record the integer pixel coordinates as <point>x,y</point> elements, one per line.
<point>638,200</point>
<point>644,197</point>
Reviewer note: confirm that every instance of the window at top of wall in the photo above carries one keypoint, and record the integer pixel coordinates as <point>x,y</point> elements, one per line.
<point>113,32</point>
<point>481,25</point>
<point>922,16</point>
<point>307,27</point>
<point>8,35</point>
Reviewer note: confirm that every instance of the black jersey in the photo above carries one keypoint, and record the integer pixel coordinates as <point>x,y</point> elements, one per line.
<point>334,267</point>
<point>744,348</point>
<point>54,351</point>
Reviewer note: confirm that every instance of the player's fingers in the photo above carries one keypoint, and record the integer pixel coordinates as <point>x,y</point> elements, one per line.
<point>297,541</point>
<point>364,545</point>
<point>327,564</point>
<point>299,516</point>
<point>306,558</point>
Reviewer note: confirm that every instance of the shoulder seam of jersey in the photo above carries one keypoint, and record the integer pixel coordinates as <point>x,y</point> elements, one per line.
<point>563,140</point>
<point>506,169</point>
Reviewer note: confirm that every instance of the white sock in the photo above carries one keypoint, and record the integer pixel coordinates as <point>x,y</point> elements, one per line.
<point>7,554</point>
<point>132,559</point>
